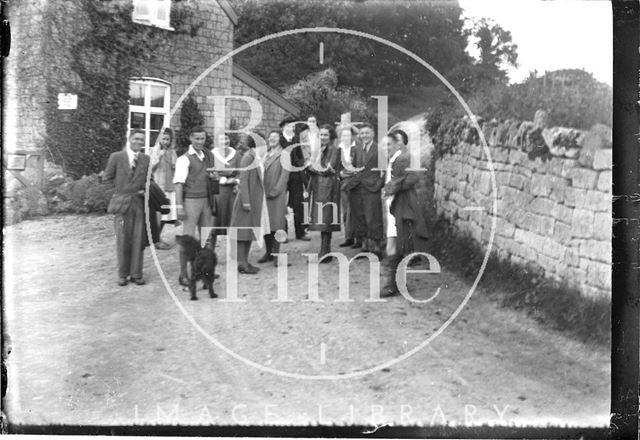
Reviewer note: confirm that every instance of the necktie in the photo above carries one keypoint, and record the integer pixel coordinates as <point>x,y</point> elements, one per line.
<point>134,162</point>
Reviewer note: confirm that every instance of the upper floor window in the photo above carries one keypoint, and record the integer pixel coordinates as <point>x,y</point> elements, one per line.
<point>152,12</point>
<point>149,107</point>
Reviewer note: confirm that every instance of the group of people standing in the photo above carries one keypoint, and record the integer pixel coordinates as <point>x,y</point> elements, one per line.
<point>327,177</point>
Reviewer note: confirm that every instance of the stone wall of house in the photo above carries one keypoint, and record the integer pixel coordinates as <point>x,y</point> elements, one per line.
<point>24,80</point>
<point>40,61</point>
<point>272,113</point>
<point>24,87</point>
<point>552,193</point>
<point>188,56</point>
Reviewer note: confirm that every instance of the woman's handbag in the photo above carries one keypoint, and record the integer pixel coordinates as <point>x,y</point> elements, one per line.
<point>119,203</point>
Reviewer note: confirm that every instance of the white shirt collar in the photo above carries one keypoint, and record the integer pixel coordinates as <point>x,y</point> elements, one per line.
<point>199,154</point>
<point>131,155</point>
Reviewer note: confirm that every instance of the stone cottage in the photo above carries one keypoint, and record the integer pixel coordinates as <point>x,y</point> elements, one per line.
<point>194,34</point>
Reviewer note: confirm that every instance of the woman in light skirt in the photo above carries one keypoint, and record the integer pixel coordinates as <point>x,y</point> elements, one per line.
<point>163,163</point>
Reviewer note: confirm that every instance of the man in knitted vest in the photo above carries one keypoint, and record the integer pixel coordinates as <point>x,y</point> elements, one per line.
<point>194,191</point>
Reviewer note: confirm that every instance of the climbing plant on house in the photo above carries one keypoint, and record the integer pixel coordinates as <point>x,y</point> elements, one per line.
<point>108,48</point>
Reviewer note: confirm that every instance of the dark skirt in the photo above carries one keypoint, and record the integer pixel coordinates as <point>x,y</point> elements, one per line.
<point>324,203</point>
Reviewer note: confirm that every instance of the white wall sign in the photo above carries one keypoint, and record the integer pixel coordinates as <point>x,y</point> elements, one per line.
<point>67,101</point>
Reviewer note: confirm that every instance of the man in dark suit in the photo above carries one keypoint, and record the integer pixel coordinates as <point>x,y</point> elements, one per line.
<point>127,170</point>
<point>297,179</point>
<point>410,223</point>
<point>365,195</point>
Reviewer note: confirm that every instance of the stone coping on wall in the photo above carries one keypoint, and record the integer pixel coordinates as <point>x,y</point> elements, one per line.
<point>553,190</point>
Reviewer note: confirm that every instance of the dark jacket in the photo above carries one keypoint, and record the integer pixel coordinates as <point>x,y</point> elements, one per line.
<point>118,172</point>
<point>372,181</point>
<point>405,204</point>
<point>325,189</point>
<point>296,178</point>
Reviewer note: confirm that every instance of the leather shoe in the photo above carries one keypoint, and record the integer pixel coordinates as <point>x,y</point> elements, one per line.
<point>122,282</point>
<point>250,270</point>
<point>266,258</point>
<point>162,246</point>
<point>346,243</point>
<point>304,238</point>
<point>139,281</point>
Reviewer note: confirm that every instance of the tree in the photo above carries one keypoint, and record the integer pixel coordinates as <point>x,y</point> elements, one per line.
<point>495,45</point>
<point>495,51</point>
<point>431,30</point>
<point>318,94</point>
<point>190,116</point>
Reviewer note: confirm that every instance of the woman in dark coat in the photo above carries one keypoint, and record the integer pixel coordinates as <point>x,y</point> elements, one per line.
<point>275,188</point>
<point>249,208</point>
<point>226,158</point>
<point>325,190</point>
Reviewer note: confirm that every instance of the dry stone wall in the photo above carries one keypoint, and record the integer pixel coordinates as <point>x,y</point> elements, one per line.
<point>551,190</point>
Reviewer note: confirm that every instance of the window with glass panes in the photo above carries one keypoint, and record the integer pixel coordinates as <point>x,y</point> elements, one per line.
<point>152,12</point>
<point>149,107</point>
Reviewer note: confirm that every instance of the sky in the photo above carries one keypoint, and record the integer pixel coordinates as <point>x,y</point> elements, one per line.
<point>553,34</point>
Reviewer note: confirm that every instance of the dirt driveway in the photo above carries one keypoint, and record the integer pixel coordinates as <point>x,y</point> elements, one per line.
<point>86,351</point>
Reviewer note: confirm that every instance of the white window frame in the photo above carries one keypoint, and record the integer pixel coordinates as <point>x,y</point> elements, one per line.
<point>146,107</point>
<point>151,18</point>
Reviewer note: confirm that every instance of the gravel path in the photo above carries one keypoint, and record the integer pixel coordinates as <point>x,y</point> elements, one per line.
<point>86,351</point>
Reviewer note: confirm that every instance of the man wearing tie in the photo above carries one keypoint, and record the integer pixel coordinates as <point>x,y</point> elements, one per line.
<point>127,169</point>
<point>365,197</point>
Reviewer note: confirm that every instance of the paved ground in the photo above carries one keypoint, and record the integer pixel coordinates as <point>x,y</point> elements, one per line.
<point>87,351</point>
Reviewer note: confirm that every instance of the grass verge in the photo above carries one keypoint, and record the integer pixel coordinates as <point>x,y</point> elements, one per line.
<point>522,288</point>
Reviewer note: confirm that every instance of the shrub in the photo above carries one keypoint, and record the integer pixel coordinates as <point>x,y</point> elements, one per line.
<point>84,195</point>
<point>319,94</point>
<point>571,97</point>
<point>59,195</point>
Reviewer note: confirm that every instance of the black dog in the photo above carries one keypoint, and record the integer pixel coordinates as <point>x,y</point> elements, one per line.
<point>203,264</point>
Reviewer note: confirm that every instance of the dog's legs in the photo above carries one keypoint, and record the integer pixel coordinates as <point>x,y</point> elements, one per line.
<point>212,293</point>
<point>192,288</point>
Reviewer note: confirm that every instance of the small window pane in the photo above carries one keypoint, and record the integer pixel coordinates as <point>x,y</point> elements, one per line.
<point>137,120</point>
<point>156,121</point>
<point>141,9</point>
<point>153,136</point>
<point>163,10</point>
<point>136,94</point>
<point>157,96</point>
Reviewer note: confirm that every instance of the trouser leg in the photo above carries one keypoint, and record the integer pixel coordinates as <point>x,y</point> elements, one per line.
<point>346,215</point>
<point>325,245</point>
<point>123,246</point>
<point>243,253</point>
<point>358,221</point>
<point>138,230</point>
